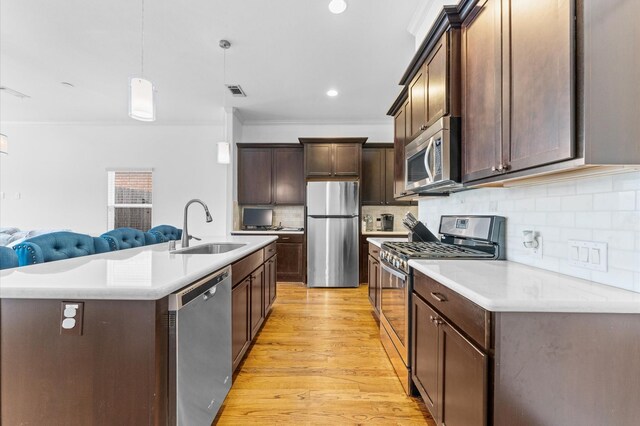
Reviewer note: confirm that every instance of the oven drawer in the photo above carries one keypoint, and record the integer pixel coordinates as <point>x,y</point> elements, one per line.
<point>471,319</point>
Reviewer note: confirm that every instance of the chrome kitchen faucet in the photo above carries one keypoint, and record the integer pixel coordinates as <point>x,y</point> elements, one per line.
<point>185,232</point>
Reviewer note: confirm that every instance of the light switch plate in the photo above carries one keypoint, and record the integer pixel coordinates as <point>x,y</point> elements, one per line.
<point>588,254</point>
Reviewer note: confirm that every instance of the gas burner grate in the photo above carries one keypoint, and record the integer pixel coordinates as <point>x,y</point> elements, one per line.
<point>429,249</point>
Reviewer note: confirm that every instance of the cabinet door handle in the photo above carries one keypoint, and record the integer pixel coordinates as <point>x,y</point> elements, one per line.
<point>286,238</point>
<point>439,297</point>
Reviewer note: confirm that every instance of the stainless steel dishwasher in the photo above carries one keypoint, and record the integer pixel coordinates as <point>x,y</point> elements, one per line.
<point>200,349</point>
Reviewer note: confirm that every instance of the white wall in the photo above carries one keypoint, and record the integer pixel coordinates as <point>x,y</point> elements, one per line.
<point>605,209</point>
<point>378,131</point>
<point>60,173</point>
<point>423,19</point>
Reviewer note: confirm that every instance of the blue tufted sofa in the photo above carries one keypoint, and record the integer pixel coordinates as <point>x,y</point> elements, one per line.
<point>125,238</point>
<point>59,246</point>
<point>166,233</point>
<point>8,258</point>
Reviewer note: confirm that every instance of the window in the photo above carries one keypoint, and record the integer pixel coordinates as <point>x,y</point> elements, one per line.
<point>130,199</point>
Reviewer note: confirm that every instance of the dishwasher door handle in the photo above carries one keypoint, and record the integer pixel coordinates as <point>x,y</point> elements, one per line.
<point>209,293</point>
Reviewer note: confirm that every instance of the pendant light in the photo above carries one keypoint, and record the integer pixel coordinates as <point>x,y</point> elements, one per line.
<point>337,6</point>
<point>142,104</point>
<point>224,147</point>
<point>4,144</point>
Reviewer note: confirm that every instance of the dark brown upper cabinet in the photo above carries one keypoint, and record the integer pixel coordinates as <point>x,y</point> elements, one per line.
<point>433,91</point>
<point>481,91</point>
<point>332,158</point>
<point>255,176</point>
<point>378,175</point>
<point>400,135</point>
<point>271,175</point>
<point>517,95</point>
<point>417,104</point>
<point>288,172</point>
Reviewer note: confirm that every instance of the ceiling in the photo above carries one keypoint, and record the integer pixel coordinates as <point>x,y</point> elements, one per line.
<point>286,54</point>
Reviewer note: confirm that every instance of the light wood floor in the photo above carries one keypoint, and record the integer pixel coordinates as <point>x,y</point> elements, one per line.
<point>319,360</point>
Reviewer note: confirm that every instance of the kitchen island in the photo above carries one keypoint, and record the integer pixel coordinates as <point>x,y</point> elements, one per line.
<point>113,365</point>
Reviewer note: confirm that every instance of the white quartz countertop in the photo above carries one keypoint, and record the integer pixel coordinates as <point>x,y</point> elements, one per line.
<point>378,241</point>
<point>143,273</point>
<point>244,232</point>
<point>503,286</point>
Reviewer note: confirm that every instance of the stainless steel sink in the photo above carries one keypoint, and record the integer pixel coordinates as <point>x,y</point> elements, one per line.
<point>212,248</point>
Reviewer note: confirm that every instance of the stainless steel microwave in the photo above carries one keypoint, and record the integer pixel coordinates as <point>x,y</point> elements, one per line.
<point>433,159</point>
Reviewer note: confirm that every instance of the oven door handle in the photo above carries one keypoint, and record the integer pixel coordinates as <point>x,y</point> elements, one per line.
<point>427,166</point>
<point>394,273</point>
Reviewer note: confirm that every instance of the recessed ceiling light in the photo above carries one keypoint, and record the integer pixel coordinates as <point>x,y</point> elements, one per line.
<point>333,93</point>
<point>337,6</point>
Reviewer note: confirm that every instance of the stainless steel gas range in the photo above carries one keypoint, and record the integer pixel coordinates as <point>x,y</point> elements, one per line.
<point>462,237</point>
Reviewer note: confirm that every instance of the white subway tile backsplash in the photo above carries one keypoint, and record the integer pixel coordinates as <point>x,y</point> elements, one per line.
<point>605,208</point>
<point>595,220</point>
<point>625,200</point>
<point>624,259</point>
<point>594,185</point>
<point>577,203</point>
<point>626,182</point>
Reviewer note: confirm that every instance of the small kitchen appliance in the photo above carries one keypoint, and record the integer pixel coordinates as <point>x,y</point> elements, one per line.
<point>387,221</point>
<point>463,237</point>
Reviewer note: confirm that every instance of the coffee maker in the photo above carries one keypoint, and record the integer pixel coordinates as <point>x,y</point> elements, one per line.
<point>387,221</point>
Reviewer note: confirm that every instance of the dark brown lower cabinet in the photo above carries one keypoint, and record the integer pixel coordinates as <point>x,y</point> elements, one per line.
<point>474,367</point>
<point>374,285</point>
<point>463,369</point>
<point>449,371</point>
<point>257,300</point>
<point>240,335</point>
<point>291,258</point>
<point>425,354</point>
<point>253,295</point>
<point>272,280</point>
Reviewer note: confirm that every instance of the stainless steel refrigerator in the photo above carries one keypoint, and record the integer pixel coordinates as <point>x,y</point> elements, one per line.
<point>332,234</point>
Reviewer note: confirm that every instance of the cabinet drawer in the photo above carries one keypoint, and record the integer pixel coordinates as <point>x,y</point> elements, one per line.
<point>290,238</point>
<point>243,267</point>
<point>470,318</point>
<point>270,251</point>
<point>374,251</point>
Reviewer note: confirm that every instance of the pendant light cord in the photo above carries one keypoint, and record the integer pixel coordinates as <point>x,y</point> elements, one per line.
<point>142,42</point>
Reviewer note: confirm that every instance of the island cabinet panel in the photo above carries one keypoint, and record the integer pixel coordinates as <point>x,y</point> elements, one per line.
<point>482,91</point>
<point>240,312</point>
<point>540,82</point>
<point>257,300</point>
<point>255,176</point>
<point>115,372</point>
<point>271,276</point>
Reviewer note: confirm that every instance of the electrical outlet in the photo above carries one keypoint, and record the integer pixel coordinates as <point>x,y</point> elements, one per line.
<point>588,254</point>
<point>71,316</point>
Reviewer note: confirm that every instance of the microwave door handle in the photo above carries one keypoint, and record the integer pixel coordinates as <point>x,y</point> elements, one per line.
<point>427,165</point>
